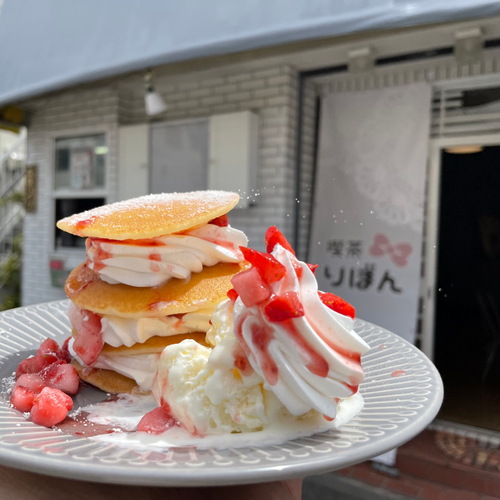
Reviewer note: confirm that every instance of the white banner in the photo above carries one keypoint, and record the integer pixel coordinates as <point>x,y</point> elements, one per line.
<point>369,200</point>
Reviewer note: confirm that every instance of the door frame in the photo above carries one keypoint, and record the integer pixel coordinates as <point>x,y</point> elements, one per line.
<point>432,227</point>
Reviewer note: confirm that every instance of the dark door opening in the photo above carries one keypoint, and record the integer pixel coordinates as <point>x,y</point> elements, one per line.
<point>467,326</point>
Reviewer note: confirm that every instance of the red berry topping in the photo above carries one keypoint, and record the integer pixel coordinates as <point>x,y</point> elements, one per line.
<point>156,421</point>
<point>50,407</point>
<point>250,286</point>
<point>313,267</point>
<point>31,381</point>
<point>88,343</point>
<point>35,364</point>
<point>48,346</point>
<point>337,304</point>
<point>22,398</point>
<point>221,221</point>
<point>274,236</point>
<point>63,352</point>
<point>283,307</point>
<point>63,377</point>
<point>232,295</point>
<point>270,269</point>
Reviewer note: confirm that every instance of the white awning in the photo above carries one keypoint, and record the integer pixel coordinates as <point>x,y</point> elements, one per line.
<point>51,44</point>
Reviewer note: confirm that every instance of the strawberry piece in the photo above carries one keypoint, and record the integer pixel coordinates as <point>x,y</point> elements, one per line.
<point>313,267</point>
<point>250,286</point>
<point>337,304</point>
<point>31,381</point>
<point>48,346</point>
<point>50,407</point>
<point>22,398</point>
<point>63,352</point>
<point>156,421</point>
<point>63,377</point>
<point>283,307</point>
<point>270,269</point>
<point>35,364</point>
<point>275,236</point>
<point>232,295</point>
<point>88,344</point>
<point>221,221</point>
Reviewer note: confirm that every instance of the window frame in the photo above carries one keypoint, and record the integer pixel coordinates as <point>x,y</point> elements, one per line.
<point>55,194</point>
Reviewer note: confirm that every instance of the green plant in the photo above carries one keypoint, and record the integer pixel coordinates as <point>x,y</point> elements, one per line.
<point>10,269</point>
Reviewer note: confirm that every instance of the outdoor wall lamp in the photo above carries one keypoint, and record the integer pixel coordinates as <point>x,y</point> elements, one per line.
<point>153,101</point>
<point>468,45</point>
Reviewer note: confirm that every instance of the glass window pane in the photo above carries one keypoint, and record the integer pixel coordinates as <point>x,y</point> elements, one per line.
<point>80,162</point>
<point>67,207</point>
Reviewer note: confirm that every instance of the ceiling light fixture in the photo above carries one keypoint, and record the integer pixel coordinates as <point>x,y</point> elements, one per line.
<point>153,101</point>
<point>464,150</point>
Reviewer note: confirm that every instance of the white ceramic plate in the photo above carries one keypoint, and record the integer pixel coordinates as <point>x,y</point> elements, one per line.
<point>402,390</point>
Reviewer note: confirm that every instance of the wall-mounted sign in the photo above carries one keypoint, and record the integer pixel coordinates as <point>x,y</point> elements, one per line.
<point>30,188</point>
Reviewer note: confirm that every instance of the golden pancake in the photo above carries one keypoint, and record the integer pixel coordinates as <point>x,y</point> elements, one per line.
<point>107,380</point>
<point>150,216</point>
<point>204,289</point>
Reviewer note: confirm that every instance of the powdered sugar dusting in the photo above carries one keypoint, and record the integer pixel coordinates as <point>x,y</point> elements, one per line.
<point>171,211</point>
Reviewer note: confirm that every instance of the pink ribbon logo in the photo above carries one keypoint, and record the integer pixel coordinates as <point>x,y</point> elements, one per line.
<point>397,253</point>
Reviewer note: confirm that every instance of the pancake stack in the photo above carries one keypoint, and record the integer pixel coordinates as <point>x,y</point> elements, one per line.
<point>143,286</point>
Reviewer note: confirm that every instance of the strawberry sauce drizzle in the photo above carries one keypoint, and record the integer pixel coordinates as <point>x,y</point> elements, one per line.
<point>261,338</point>
<point>77,283</point>
<point>241,361</point>
<point>82,224</point>
<point>316,363</point>
<point>99,256</point>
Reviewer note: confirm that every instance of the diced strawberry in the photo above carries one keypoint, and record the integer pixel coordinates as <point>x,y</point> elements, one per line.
<point>337,304</point>
<point>250,286</point>
<point>63,352</point>
<point>313,267</point>
<point>63,377</point>
<point>35,364</point>
<point>48,346</point>
<point>232,295</point>
<point>50,407</point>
<point>31,381</point>
<point>221,221</point>
<point>88,343</point>
<point>283,307</point>
<point>156,421</point>
<point>274,236</point>
<point>270,269</point>
<point>22,398</point>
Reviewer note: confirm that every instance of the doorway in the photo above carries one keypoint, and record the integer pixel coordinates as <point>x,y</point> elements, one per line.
<point>467,298</point>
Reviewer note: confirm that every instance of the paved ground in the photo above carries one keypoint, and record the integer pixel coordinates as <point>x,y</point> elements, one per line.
<point>334,487</point>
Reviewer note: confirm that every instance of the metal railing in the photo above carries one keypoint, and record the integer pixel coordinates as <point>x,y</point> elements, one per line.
<point>12,179</point>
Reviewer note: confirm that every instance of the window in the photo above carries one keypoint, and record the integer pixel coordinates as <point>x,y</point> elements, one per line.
<point>79,181</point>
<point>80,162</point>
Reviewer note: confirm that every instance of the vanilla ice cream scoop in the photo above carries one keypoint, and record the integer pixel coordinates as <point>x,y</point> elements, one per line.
<point>211,391</point>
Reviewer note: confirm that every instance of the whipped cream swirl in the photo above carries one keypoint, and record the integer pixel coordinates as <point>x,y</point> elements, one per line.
<point>310,362</point>
<point>146,263</point>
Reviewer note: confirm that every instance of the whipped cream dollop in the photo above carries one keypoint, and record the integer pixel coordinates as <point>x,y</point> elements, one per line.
<point>138,367</point>
<point>146,263</point>
<point>308,362</point>
<point>118,331</point>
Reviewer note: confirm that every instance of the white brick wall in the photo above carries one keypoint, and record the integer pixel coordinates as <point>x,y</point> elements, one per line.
<point>69,113</point>
<point>307,166</point>
<point>269,92</point>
